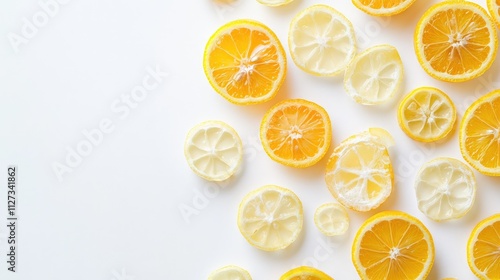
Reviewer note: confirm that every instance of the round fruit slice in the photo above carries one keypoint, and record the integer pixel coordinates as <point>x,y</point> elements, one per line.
<point>427,114</point>
<point>274,3</point>
<point>483,255</point>
<point>321,41</point>
<point>213,150</point>
<point>296,132</point>
<point>245,62</point>
<point>359,173</point>
<point>331,219</point>
<point>393,245</point>
<point>230,272</point>
<point>480,134</point>
<point>382,7</point>
<point>305,273</point>
<point>375,75</point>
<point>445,189</point>
<point>270,218</point>
<point>494,9</point>
<point>455,41</point>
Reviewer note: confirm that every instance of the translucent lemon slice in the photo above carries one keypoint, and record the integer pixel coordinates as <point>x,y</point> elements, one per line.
<point>230,272</point>
<point>331,219</point>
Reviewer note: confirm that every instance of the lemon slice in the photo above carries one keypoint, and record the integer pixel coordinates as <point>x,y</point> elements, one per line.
<point>359,173</point>
<point>494,9</point>
<point>230,272</point>
<point>270,218</point>
<point>455,41</point>
<point>375,75</point>
<point>382,7</point>
<point>213,150</point>
<point>427,114</point>
<point>483,255</point>
<point>331,219</point>
<point>445,189</point>
<point>305,273</point>
<point>321,41</point>
<point>393,245</point>
<point>274,3</point>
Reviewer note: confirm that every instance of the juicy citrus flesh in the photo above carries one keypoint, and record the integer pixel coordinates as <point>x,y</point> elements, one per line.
<point>455,41</point>
<point>296,132</point>
<point>480,134</point>
<point>321,41</point>
<point>230,272</point>
<point>494,9</point>
<point>445,189</point>
<point>375,75</point>
<point>270,218</point>
<point>393,245</point>
<point>427,114</point>
<point>483,255</point>
<point>245,62</point>
<point>305,273</point>
<point>331,219</point>
<point>359,173</point>
<point>383,7</point>
<point>213,150</point>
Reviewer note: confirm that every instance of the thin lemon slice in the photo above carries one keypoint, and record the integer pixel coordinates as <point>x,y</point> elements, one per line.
<point>427,114</point>
<point>445,189</point>
<point>274,3</point>
<point>305,273</point>
<point>483,255</point>
<point>270,218</point>
<point>245,62</point>
<point>321,41</point>
<point>393,245</point>
<point>480,134</point>
<point>382,7</point>
<point>359,173</point>
<point>455,41</point>
<point>213,150</point>
<point>494,9</point>
<point>331,219</point>
<point>375,75</point>
<point>230,272</point>
<point>296,132</point>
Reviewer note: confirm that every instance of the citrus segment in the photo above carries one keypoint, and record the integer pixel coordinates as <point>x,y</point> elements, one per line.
<point>245,62</point>
<point>270,218</point>
<point>213,150</point>
<point>455,41</point>
<point>483,255</point>
<point>393,245</point>
<point>305,273</point>
<point>321,40</point>
<point>296,132</point>
<point>331,219</point>
<point>445,189</point>
<point>382,7</point>
<point>427,114</point>
<point>274,3</point>
<point>375,75</point>
<point>359,173</point>
<point>480,134</point>
<point>230,272</point>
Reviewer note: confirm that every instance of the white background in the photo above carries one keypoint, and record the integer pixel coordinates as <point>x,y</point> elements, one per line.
<point>117,215</point>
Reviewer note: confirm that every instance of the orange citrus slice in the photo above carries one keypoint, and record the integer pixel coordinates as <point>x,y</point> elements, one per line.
<point>382,7</point>
<point>494,9</point>
<point>483,255</point>
<point>305,273</point>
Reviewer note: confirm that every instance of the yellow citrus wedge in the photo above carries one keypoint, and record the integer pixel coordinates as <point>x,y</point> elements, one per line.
<point>359,173</point>
<point>245,62</point>
<point>296,132</point>
<point>427,114</point>
<point>274,3</point>
<point>305,273</point>
<point>331,219</point>
<point>270,218</point>
<point>321,41</point>
<point>382,7</point>
<point>230,272</point>
<point>213,150</point>
<point>455,41</point>
<point>483,255</point>
<point>445,189</point>
<point>479,135</point>
<point>375,75</point>
<point>494,9</point>
<point>393,245</point>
